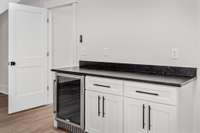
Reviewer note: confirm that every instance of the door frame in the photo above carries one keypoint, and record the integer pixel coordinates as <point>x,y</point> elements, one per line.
<point>53,5</point>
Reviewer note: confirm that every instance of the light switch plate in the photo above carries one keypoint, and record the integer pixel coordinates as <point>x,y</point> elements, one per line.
<point>175,53</point>
<point>106,52</point>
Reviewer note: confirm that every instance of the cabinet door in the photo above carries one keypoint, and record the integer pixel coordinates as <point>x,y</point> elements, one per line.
<point>112,109</point>
<point>135,118</point>
<point>93,117</point>
<point>162,118</point>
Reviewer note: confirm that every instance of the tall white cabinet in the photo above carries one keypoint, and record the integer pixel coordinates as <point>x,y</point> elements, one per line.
<point>119,106</point>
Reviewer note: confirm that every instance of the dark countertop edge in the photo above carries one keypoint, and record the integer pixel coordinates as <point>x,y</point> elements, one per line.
<point>129,79</point>
<point>188,81</point>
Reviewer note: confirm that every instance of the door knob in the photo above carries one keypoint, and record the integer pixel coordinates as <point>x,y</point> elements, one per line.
<point>12,63</point>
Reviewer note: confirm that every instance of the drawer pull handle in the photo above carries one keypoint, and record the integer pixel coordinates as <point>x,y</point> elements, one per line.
<point>154,94</point>
<point>105,86</point>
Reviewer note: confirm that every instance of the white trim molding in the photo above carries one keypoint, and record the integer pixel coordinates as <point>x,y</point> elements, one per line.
<point>52,5</point>
<point>4,5</point>
<point>59,3</point>
<point>4,89</point>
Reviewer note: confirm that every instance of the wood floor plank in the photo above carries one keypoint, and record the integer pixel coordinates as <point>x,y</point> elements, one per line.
<point>39,120</point>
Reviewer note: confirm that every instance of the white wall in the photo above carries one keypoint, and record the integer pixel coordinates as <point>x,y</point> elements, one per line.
<point>4,53</point>
<point>139,31</point>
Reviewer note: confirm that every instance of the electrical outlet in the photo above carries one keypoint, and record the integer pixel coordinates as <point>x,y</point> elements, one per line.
<point>175,53</point>
<point>106,52</point>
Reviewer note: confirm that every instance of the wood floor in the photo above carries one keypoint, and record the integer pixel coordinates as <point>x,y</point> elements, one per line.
<point>38,120</point>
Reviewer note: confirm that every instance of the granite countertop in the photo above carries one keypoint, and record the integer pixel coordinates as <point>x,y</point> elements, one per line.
<point>148,78</point>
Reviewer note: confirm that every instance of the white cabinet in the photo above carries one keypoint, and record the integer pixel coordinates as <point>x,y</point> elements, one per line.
<point>162,118</point>
<point>113,120</point>
<point>117,106</point>
<point>104,109</point>
<point>94,122</point>
<point>103,113</point>
<point>143,117</point>
<point>104,85</point>
<point>134,116</point>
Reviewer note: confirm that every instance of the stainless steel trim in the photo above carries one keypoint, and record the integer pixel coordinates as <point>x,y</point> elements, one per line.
<point>82,102</point>
<point>70,75</point>
<point>55,95</point>
<point>82,91</point>
<point>68,122</point>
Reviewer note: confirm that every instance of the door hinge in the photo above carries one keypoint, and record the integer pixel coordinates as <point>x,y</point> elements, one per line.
<point>48,53</point>
<point>47,88</point>
<point>47,20</point>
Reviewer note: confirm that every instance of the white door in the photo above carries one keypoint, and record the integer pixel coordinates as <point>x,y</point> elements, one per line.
<point>162,118</point>
<point>27,51</point>
<point>113,117</point>
<point>93,112</point>
<point>135,118</point>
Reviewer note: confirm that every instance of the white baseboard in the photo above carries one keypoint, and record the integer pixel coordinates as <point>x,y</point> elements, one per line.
<point>4,89</point>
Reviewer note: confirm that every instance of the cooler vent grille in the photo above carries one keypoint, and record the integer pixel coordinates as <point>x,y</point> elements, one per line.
<point>73,129</point>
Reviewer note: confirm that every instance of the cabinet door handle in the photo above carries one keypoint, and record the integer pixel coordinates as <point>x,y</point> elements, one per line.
<point>105,86</point>
<point>148,93</point>
<point>99,99</point>
<point>149,118</point>
<point>81,39</point>
<point>143,117</point>
<point>103,109</point>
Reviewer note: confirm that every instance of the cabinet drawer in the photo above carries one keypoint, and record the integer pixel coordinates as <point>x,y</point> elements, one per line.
<point>105,85</point>
<point>151,92</point>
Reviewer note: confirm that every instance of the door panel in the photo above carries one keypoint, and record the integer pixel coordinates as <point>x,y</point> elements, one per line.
<point>162,118</point>
<point>113,119</point>
<point>94,123</point>
<point>63,36</point>
<point>133,116</point>
<point>28,48</point>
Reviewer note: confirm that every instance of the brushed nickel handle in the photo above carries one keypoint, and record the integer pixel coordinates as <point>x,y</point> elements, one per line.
<point>148,93</point>
<point>105,86</point>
